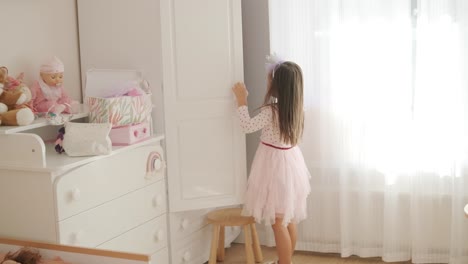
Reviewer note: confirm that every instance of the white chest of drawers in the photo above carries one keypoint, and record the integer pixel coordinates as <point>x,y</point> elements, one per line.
<point>115,202</point>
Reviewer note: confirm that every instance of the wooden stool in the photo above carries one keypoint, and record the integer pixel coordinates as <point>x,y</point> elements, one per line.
<point>232,217</point>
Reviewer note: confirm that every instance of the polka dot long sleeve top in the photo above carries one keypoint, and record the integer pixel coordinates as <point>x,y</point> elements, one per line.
<point>264,120</point>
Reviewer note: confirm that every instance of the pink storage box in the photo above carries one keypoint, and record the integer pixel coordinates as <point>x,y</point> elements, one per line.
<point>129,134</point>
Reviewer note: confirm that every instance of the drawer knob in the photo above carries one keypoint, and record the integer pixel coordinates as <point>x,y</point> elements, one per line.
<point>76,237</point>
<point>187,256</point>
<point>157,200</point>
<point>76,194</point>
<point>185,223</point>
<point>157,164</point>
<point>159,235</point>
<point>154,164</point>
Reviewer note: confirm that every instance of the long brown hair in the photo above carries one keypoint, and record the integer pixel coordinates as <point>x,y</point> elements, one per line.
<point>286,85</point>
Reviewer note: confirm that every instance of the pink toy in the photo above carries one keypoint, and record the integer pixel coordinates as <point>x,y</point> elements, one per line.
<point>129,134</point>
<point>48,92</point>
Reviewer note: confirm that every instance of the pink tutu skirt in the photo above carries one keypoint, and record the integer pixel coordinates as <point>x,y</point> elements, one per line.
<point>278,186</point>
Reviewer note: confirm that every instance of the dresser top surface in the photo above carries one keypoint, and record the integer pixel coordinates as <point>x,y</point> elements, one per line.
<point>58,163</point>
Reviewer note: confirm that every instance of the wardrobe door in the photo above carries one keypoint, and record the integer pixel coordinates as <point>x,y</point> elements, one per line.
<point>202,59</point>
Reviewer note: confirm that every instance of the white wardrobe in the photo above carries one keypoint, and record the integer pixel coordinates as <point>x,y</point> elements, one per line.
<point>191,53</point>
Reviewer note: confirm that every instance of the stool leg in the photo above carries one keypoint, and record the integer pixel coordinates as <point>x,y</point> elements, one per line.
<point>214,244</point>
<point>256,244</point>
<point>220,254</point>
<point>248,245</point>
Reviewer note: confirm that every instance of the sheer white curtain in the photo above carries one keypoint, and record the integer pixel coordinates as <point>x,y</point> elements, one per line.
<point>386,136</point>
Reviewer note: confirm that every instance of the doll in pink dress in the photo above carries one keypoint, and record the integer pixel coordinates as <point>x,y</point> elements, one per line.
<point>48,92</point>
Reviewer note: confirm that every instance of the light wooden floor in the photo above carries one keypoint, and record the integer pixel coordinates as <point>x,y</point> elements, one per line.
<point>236,255</point>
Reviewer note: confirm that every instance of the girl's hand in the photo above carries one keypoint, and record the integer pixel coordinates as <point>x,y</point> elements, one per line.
<point>241,93</point>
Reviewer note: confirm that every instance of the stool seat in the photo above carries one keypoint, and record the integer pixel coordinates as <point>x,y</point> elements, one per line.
<point>233,217</point>
<point>229,217</point>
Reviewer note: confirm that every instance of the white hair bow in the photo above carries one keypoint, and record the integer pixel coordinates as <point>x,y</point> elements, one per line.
<point>272,63</point>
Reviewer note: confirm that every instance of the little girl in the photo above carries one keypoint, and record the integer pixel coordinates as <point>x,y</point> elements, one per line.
<point>278,184</point>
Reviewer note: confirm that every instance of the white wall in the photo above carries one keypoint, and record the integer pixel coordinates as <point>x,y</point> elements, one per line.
<point>256,37</point>
<point>102,41</point>
<point>33,30</point>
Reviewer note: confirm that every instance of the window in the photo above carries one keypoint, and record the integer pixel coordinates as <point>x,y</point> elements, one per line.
<point>385,77</point>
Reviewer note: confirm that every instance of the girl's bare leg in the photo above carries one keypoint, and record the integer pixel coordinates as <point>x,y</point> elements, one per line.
<point>283,242</point>
<point>292,229</point>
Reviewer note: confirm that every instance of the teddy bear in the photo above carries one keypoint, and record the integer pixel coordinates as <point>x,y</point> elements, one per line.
<point>17,84</point>
<point>13,98</point>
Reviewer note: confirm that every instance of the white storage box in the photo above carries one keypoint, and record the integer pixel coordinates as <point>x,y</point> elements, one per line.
<point>121,110</point>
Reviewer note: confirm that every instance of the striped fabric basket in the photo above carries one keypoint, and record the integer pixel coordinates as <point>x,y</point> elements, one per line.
<point>121,110</point>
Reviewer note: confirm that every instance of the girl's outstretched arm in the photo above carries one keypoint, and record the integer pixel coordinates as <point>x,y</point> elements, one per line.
<point>248,124</point>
